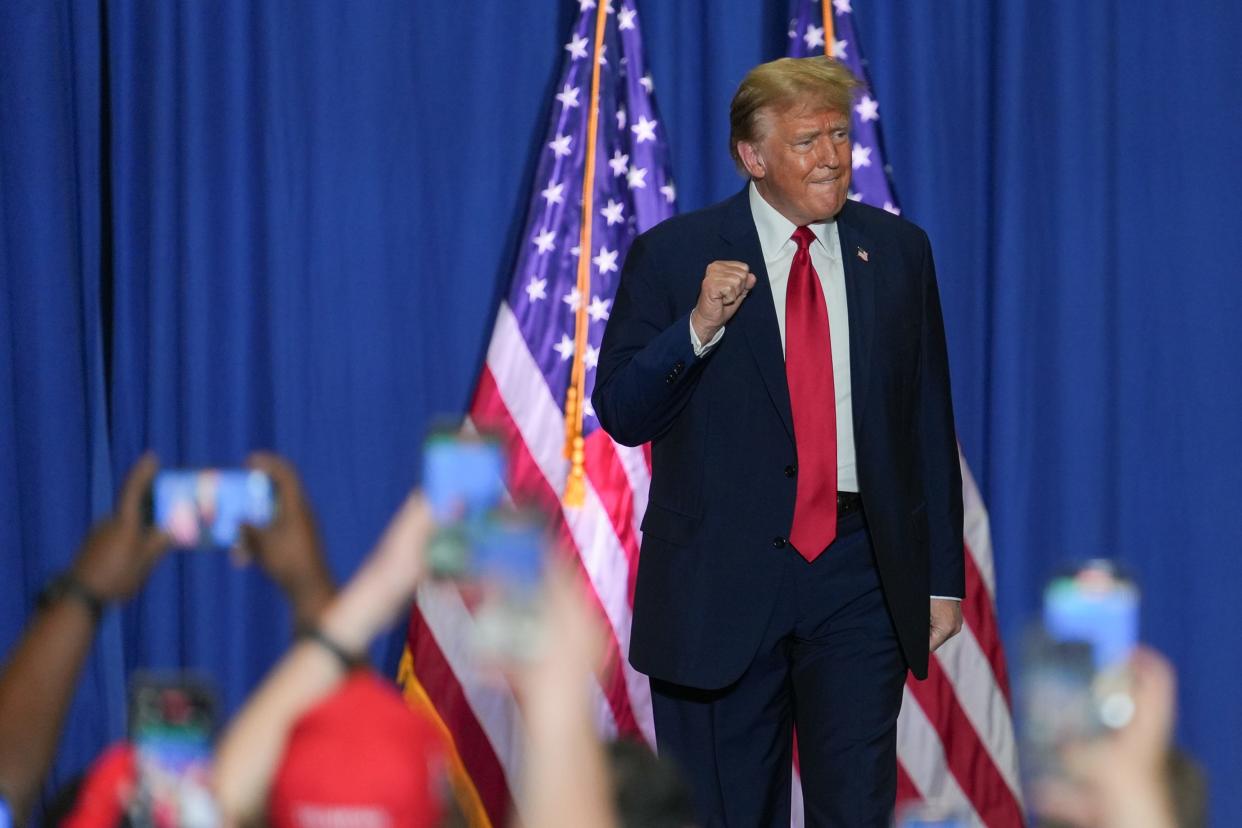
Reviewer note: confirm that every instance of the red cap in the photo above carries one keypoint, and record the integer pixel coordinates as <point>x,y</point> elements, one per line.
<point>361,758</point>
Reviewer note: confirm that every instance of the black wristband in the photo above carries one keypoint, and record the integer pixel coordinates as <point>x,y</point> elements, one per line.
<point>66,585</point>
<point>348,661</point>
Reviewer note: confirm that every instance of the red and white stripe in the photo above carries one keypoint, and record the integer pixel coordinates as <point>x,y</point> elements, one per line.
<point>513,399</point>
<point>955,738</point>
<point>955,735</point>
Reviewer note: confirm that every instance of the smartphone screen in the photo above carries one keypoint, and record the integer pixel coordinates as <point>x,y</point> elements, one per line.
<point>1095,605</point>
<point>921,821</point>
<point>463,477</point>
<point>1056,702</point>
<point>505,576</point>
<point>464,482</point>
<point>171,726</point>
<point>509,549</point>
<point>206,507</point>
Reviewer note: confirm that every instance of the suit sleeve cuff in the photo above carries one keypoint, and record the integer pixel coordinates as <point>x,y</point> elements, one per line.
<point>701,350</point>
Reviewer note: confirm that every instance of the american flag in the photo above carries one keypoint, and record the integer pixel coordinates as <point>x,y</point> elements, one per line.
<point>955,741</point>
<point>550,321</point>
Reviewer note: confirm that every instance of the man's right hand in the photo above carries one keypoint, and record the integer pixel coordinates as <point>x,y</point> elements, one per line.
<point>119,551</point>
<point>724,287</point>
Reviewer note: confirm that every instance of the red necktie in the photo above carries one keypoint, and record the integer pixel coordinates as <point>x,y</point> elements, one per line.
<point>812,395</point>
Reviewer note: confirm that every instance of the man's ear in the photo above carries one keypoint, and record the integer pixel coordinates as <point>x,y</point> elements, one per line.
<point>751,159</point>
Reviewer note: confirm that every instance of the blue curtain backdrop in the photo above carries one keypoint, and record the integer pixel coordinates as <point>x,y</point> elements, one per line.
<point>234,225</point>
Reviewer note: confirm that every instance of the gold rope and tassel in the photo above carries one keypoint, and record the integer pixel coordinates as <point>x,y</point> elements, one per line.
<point>575,485</point>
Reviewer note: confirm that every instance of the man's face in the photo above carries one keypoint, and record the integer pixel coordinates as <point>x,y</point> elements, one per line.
<point>802,163</point>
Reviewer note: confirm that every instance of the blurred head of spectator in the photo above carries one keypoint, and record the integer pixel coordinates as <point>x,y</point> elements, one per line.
<point>647,791</point>
<point>361,757</point>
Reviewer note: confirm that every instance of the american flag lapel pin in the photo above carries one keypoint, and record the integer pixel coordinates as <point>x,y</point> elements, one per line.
<point>864,255</point>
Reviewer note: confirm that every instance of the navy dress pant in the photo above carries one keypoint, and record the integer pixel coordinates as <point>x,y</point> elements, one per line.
<point>829,664</point>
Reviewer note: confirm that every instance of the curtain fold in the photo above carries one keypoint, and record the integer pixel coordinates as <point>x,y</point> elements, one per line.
<point>55,477</point>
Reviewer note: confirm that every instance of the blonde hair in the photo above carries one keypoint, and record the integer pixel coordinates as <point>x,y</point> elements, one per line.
<point>819,81</point>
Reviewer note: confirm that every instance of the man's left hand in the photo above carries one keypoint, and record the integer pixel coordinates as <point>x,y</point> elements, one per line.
<point>289,549</point>
<point>946,622</point>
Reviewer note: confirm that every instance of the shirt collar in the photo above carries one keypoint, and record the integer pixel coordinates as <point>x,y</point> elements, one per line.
<point>776,231</point>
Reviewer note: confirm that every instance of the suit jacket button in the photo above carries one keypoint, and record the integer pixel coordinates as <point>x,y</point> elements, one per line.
<point>779,542</point>
<point>678,366</point>
<point>669,379</point>
<point>791,471</point>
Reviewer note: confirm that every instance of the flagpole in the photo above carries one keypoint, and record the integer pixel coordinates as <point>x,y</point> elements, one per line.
<point>575,485</point>
<point>465,792</point>
<point>829,33</point>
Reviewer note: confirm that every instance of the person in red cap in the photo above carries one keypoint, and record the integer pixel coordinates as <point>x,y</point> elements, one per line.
<point>361,757</point>
<point>321,743</point>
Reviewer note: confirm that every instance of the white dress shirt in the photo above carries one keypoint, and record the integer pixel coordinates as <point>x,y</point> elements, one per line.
<point>778,246</point>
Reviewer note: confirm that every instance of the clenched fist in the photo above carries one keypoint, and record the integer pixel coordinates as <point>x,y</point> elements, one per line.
<point>724,287</point>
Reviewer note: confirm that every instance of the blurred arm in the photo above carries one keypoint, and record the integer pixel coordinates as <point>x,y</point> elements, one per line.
<point>566,779</point>
<point>250,751</point>
<point>38,683</point>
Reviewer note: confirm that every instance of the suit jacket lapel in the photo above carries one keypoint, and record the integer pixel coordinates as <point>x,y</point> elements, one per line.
<point>858,256</point>
<point>756,318</point>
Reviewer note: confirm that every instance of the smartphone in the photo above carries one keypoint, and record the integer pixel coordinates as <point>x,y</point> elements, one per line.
<point>929,815</point>
<point>1056,704</point>
<point>171,726</point>
<point>490,552</point>
<point>503,584</point>
<point>206,507</point>
<point>1098,605</point>
<point>464,483</point>
<point>1074,682</point>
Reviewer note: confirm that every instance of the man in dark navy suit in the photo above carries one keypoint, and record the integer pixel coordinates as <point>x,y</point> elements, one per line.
<point>784,353</point>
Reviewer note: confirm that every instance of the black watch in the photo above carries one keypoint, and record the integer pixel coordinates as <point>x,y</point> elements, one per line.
<point>348,661</point>
<point>66,585</point>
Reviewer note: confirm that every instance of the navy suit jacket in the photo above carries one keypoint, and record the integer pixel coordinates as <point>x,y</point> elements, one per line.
<point>723,452</point>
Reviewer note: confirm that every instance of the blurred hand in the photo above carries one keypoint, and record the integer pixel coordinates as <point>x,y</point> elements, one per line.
<point>946,622</point>
<point>571,650</point>
<point>119,551</point>
<point>288,549</point>
<point>566,780</point>
<point>1141,747</point>
<point>1120,779</point>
